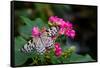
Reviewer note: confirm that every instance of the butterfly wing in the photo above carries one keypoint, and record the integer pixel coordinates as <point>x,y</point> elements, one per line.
<point>39,46</point>
<point>52,31</point>
<point>47,41</point>
<point>28,47</point>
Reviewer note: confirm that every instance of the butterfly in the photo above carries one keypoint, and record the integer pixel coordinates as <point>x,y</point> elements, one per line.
<point>42,43</point>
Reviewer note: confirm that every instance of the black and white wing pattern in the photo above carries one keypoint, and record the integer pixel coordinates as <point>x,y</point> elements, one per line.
<point>52,31</point>
<point>34,44</point>
<point>28,47</point>
<point>40,44</point>
<point>47,41</point>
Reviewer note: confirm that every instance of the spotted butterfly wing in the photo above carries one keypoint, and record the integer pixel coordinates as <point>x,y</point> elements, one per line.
<point>52,31</point>
<point>47,41</point>
<point>40,44</point>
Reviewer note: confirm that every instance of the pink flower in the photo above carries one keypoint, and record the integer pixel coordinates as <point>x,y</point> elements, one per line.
<point>52,19</point>
<point>57,45</point>
<point>65,27</point>
<point>70,33</point>
<point>35,32</point>
<point>58,50</point>
<point>63,24</point>
<point>66,24</point>
<point>62,31</point>
<point>58,54</point>
<point>55,20</point>
<point>69,25</point>
<point>59,21</point>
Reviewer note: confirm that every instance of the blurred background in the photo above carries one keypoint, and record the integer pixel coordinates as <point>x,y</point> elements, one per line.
<point>84,19</point>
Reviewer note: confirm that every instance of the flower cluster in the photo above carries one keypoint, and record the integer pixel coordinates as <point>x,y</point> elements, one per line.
<point>35,32</point>
<point>58,50</point>
<point>66,28</point>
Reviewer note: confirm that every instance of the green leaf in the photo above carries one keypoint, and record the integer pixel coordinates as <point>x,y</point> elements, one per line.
<point>26,29</point>
<point>40,57</point>
<point>20,57</point>
<point>54,59</point>
<point>26,20</point>
<point>38,22</point>
<point>86,58</point>
<point>19,42</point>
<point>79,58</point>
